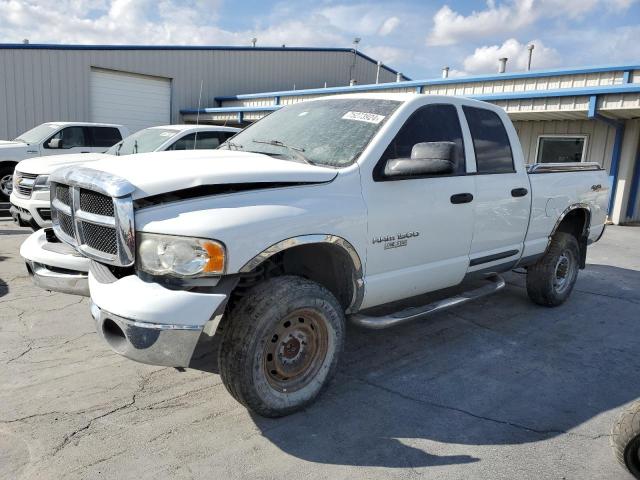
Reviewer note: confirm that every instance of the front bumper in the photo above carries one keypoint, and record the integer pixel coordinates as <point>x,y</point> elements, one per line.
<point>74,283</point>
<point>55,266</point>
<point>153,343</point>
<point>149,323</point>
<point>34,212</point>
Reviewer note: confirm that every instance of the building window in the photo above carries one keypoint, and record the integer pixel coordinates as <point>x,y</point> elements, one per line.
<point>561,149</point>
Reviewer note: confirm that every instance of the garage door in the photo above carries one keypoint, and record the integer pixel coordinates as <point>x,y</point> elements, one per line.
<point>135,101</point>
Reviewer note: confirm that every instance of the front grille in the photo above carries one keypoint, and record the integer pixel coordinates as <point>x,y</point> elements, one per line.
<point>23,183</point>
<point>44,213</point>
<point>99,226</point>
<point>62,194</point>
<point>66,224</point>
<point>97,203</point>
<point>100,238</point>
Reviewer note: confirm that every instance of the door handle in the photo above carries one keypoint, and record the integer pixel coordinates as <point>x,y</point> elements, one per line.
<point>519,192</point>
<point>86,152</point>
<point>461,198</point>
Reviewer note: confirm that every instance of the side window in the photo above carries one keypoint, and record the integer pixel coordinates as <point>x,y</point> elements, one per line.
<point>431,123</point>
<point>204,140</point>
<point>490,141</point>
<point>70,137</point>
<point>105,136</point>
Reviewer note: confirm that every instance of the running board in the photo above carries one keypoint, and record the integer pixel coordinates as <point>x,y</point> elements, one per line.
<point>415,313</point>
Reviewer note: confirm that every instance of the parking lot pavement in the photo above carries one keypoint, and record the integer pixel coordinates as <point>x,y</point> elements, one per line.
<point>499,388</point>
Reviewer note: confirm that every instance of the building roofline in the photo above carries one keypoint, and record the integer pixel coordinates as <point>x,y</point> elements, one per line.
<point>560,92</point>
<point>51,46</point>
<point>438,81</point>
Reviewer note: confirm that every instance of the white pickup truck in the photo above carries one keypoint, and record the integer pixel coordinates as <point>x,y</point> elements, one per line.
<point>54,138</point>
<point>30,203</point>
<point>315,214</point>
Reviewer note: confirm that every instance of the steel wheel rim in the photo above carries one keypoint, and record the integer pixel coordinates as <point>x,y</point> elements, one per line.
<point>295,350</point>
<point>6,184</point>
<point>563,272</point>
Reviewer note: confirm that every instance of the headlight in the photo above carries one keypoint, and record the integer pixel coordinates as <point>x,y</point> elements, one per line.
<point>41,183</point>
<point>179,256</point>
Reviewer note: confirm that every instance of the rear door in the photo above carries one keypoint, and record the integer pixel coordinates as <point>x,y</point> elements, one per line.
<point>502,201</point>
<point>103,137</point>
<point>420,234</point>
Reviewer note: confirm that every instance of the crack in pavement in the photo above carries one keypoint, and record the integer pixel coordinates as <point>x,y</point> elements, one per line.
<point>29,348</point>
<point>474,415</point>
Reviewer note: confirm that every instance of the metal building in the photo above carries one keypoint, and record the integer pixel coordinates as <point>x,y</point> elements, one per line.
<point>141,86</point>
<point>579,114</point>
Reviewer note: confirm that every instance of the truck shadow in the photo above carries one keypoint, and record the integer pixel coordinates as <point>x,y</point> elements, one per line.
<point>498,371</point>
<point>4,286</point>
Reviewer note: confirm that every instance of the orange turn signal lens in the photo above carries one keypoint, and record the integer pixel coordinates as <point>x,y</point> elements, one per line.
<point>215,252</point>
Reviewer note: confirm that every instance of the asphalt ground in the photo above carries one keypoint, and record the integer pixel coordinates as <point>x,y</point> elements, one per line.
<point>497,389</point>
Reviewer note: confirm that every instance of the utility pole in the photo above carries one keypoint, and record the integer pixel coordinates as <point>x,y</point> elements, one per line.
<point>530,48</point>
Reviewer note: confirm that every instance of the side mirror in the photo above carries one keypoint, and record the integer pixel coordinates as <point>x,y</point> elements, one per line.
<point>55,143</point>
<point>427,158</point>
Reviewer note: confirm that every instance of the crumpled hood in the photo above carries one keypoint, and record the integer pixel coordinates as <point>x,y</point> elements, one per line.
<point>46,165</point>
<point>156,173</point>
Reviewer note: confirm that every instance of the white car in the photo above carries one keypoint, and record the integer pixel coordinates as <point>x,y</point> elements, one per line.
<point>318,213</point>
<point>30,204</point>
<point>54,138</point>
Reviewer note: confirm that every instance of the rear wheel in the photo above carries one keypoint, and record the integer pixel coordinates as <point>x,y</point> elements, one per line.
<point>625,439</point>
<point>6,182</point>
<point>551,280</point>
<point>281,344</point>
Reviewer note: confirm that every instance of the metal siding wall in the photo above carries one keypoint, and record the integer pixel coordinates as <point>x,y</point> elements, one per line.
<point>599,143</point>
<point>39,85</point>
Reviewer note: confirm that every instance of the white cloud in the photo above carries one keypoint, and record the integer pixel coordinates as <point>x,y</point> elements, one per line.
<point>485,59</point>
<point>449,27</point>
<point>389,25</point>
<point>511,16</point>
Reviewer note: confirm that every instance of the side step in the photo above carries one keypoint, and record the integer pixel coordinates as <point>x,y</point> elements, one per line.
<point>496,282</point>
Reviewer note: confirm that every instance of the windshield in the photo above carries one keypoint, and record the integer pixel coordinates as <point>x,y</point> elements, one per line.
<point>39,133</point>
<point>326,132</point>
<point>147,140</point>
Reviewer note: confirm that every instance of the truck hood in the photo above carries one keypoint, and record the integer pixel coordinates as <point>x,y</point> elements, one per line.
<point>46,165</point>
<point>157,173</point>
<point>7,147</point>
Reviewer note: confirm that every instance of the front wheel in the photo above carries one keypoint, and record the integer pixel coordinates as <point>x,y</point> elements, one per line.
<point>6,183</point>
<point>551,280</point>
<point>281,344</point>
<point>625,439</point>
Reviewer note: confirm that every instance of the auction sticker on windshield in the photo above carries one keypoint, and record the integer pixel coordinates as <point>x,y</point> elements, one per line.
<point>363,117</point>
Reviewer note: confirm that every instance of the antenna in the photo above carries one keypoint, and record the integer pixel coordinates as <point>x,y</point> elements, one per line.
<point>195,138</point>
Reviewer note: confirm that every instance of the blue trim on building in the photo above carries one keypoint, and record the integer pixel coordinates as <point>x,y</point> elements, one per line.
<point>593,106</point>
<point>563,92</point>
<point>47,46</point>
<point>635,186</point>
<point>194,111</point>
<point>440,81</point>
<point>615,165</point>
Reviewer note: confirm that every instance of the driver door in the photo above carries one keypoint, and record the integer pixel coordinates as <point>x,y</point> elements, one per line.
<point>420,228</point>
<point>72,140</point>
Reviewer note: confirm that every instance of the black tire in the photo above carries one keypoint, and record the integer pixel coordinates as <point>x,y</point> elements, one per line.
<point>6,174</point>
<point>551,280</point>
<point>259,350</point>
<point>625,439</point>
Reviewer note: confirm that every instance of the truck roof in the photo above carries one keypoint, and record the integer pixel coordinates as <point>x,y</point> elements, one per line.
<point>409,97</point>
<point>84,124</point>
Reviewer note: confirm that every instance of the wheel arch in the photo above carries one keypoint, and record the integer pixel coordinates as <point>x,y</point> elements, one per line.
<point>327,259</point>
<point>576,220</point>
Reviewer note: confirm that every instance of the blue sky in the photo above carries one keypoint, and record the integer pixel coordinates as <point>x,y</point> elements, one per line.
<point>415,37</point>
